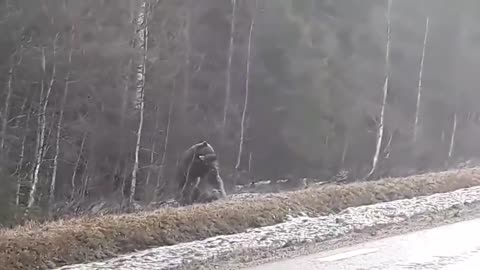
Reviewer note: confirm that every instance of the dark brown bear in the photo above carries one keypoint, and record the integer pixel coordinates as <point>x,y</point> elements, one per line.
<point>198,175</point>
<point>208,188</point>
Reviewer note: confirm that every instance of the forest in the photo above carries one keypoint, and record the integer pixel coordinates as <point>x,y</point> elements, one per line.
<point>98,98</point>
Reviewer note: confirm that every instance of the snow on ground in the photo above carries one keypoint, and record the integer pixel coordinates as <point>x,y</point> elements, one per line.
<point>294,231</point>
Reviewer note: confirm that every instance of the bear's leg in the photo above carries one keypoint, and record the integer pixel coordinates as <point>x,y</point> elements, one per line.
<point>191,191</point>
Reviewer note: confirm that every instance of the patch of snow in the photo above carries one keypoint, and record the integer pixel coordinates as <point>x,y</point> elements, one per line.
<point>295,230</point>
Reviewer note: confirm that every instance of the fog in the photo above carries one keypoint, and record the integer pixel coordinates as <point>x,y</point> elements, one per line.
<point>97,94</point>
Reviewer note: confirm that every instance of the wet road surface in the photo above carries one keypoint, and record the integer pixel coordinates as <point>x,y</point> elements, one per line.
<point>450,247</point>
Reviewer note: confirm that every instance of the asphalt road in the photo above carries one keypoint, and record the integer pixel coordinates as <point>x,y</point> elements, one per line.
<point>450,247</point>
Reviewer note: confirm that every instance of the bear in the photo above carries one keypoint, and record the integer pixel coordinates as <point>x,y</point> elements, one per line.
<point>208,188</point>
<point>198,176</point>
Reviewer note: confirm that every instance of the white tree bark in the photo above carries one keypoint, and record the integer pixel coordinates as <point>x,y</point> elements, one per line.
<point>38,143</point>
<point>247,88</point>
<point>77,165</point>
<point>458,93</point>
<point>142,33</point>
<point>420,79</point>
<point>60,123</point>
<point>345,150</point>
<point>250,163</point>
<point>22,159</point>
<point>388,148</point>
<point>6,108</point>
<point>42,122</point>
<point>452,138</point>
<point>229,65</point>
<point>381,124</point>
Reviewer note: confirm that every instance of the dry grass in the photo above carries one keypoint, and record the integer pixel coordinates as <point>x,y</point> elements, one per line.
<point>39,246</point>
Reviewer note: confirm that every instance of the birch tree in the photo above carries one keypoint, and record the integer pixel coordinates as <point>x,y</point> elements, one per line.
<point>21,177</point>
<point>85,180</point>
<point>42,121</point>
<point>452,137</point>
<point>6,108</point>
<point>459,91</point>
<point>247,87</point>
<point>381,123</point>
<point>123,113</point>
<point>142,37</point>
<point>60,121</point>
<point>346,143</point>
<point>229,65</point>
<point>153,147</point>
<point>420,79</point>
<point>77,165</point>
<point>165,143</point>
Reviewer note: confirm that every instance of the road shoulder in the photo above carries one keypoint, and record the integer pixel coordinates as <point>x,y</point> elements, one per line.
<point>417,223</point>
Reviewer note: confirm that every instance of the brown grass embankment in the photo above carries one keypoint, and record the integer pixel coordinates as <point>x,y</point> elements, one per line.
<point>40,246</point>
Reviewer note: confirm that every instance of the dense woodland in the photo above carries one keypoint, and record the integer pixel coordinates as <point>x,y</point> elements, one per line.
<point>100,97</point>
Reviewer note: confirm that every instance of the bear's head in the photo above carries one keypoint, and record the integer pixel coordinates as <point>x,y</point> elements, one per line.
<point>204,154</point>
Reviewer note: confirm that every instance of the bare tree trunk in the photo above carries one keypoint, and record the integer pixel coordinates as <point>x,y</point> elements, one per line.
<point>60,124</point>
<point>381,124</point>
<point>458,92</point>
<point>153,149</point>
<point>125,97</point>
<point>21,160</point>
<point>247,88</point>
<point>85,179</point>
<point>142,33</point>
<point>160,176</point>
<point>250,163</point>
<point>452,138</point>
<point>137,150</point>
<point>77,164</point>
<point>42,123</point>
<point>229,66</point>
<point>420,79</point>
<point>124,176</point>
<point>123,113</point>
<point>388,148</point>
<point>6,107</point>
<point>49,135</point>
<point>188,52</point>
<point>122,122</point>
<point>38,155</point>
<point>345,150</point>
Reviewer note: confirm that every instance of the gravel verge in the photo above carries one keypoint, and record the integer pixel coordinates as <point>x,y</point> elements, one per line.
<point>294,232</point>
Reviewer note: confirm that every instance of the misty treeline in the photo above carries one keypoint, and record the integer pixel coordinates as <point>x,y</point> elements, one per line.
<point>100,97</point>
